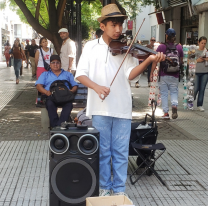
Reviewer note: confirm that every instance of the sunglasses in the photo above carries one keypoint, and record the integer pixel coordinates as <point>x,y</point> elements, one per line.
<point>55,63</point>
<point>152,40</point>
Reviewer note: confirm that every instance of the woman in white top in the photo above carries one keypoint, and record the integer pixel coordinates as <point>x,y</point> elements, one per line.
<point>47,52</point>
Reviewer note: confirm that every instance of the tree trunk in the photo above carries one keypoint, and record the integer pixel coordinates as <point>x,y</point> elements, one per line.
<point>57,42</point>
<point>52,32</point>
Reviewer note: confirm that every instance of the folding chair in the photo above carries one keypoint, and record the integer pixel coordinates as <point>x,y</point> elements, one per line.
<point>145,146</point>
<point>149,161</point>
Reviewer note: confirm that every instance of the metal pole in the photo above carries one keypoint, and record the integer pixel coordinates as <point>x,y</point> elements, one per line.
<point>79,29</point>
<point>105,2</point>
<point>71,20</point>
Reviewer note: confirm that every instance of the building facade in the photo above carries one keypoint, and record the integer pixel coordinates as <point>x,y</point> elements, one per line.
<point>187,17</point>
<point>11,28</point>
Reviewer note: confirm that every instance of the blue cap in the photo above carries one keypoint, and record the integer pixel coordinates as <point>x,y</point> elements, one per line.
<point>171,32</point>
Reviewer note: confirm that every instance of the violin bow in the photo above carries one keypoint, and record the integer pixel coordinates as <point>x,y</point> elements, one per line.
<point>127,53</point>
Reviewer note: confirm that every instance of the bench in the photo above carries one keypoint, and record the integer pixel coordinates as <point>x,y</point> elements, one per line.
<point>79,101</point>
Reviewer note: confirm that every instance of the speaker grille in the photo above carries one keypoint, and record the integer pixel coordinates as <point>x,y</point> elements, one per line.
<point>59,143</point>
<point>87,144</point>
<point>73,180</point>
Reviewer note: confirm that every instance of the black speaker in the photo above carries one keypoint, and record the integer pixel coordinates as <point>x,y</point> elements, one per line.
<point>74,165</point>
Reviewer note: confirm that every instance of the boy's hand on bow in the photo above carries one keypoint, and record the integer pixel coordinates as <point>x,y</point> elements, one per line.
<point>102,91</point>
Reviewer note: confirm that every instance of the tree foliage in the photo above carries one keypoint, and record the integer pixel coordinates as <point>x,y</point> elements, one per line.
<point>90,13</point>
<point>48,16</point>
<point>31,5</point>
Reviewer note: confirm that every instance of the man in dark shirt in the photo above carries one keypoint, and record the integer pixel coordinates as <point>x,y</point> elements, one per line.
<point>26,51</point>
<point>31,50</point>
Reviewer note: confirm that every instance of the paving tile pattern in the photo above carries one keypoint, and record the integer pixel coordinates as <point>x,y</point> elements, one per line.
<point>19,117</point>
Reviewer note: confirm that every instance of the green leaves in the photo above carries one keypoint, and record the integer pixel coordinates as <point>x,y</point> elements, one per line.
<point>90,13</point>
<point>31,5</point>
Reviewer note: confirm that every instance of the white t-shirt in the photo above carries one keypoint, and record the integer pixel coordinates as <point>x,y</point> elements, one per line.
<point>97,63</point>
<point>68,49</point>
<point>46,55</point>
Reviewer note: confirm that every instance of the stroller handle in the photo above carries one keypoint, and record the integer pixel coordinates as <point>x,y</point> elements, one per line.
<point>153,106</point>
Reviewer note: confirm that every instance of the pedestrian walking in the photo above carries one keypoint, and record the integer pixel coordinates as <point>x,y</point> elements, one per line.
<point>151,46</point>
<point>68,52</point>
<point>26,52</point>
<point>18,54</point>
<point>168,81</point>
<point>42,52</point>
<point>201,73</point>
<point>31,52</point>
<point>7,42</point>
<point>7,47</point>
<point>112,116</point>
<point>23,48</point>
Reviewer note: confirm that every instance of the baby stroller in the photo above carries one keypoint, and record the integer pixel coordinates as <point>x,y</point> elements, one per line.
<point>144,133</point>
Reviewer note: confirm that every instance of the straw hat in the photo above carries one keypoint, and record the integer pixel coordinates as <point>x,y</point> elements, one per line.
<point>110,10</point>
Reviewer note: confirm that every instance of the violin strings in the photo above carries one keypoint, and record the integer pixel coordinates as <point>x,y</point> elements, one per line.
<point>127,53</point>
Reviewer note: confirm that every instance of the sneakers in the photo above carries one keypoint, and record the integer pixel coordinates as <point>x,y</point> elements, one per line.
<point>149,84</point>
<point>104,192</point>
<point>137,84</point>
<point>123,193</point>
<point>166,116</point>
<point>201,109</point>
<point>174,112</point>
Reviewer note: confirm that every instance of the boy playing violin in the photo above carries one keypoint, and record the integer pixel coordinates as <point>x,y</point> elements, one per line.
<point>112,116</point>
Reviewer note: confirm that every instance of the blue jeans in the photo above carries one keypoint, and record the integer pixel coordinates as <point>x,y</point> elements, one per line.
<point>55,120</point>
<point>168,83</point>
<point>114,143</point>
<point>17,66</point>
<point>200,86</point>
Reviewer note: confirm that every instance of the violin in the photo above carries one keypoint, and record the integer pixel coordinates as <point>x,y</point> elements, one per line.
<point>137,50</point>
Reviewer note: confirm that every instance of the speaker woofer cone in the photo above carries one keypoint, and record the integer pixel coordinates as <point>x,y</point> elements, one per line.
<point>67,177</point>
<point>58,143</point>
<point>87,144</point>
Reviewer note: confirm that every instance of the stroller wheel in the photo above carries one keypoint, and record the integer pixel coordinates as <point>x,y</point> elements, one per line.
<point>149,171</point>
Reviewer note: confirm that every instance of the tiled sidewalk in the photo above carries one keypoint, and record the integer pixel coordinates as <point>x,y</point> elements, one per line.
<point>24,175</point>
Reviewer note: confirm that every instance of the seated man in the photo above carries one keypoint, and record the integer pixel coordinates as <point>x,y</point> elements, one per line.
<point>43,85</point>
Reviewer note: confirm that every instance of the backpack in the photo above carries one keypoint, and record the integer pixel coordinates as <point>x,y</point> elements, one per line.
<point>83,119</point>
<point>173,54</point>
<point>60,93</point>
